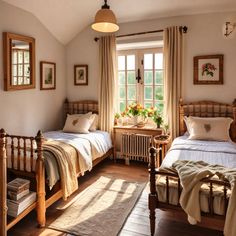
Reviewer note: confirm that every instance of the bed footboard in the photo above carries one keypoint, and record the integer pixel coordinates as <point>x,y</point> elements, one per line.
<point>153,195</point>
<point>19,155</point>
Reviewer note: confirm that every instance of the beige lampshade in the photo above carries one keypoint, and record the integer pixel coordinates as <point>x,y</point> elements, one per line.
<point>105,21</point>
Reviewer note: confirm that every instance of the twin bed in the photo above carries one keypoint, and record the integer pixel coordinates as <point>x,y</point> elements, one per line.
<point>191,156</point>
<point>52,161</point>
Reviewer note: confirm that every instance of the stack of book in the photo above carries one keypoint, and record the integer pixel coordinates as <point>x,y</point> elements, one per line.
<point>19,196</point>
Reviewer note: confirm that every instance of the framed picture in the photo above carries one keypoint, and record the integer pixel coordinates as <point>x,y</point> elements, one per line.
<point>80,74</point>
<point>208,69</point>
<point>47,75</point>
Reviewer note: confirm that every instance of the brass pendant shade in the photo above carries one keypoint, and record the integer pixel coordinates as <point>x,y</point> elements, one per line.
<point>105,20</point>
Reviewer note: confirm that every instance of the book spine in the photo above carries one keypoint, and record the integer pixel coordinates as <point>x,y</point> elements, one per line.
<point>14,196</point>
<point>18,189</point>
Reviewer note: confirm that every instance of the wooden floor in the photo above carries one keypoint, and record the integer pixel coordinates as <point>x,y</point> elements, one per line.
<point>137,223</point>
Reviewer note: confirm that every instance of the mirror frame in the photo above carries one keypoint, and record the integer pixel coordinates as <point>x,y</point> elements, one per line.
<point>7,61</point>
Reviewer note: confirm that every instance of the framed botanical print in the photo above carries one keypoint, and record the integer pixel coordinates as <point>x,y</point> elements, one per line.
<point>208,69</point>
<point>47,75</point>
<point>81,75</point>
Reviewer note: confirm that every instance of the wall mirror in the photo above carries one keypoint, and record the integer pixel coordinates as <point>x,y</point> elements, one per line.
<point>19,61</point>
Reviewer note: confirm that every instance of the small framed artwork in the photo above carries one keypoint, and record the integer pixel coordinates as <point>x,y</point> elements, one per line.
<point>80,74</point>
<point>47,75</point>
<point>208,69</point>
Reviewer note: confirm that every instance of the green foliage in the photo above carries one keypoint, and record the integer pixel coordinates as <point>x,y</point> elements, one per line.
<point>157,118</point>
<point>117,115</point>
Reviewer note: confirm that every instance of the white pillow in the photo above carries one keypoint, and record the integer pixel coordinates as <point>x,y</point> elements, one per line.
<point>78,124</point>
<point>186,121</point>
<point>210,128</point>
<point>94,125</point>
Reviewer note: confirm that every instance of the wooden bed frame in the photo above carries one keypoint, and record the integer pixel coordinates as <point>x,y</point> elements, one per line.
<point>211,220</point>
<point>19,150</point>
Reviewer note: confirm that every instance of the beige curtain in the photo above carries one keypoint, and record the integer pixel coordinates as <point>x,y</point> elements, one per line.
<point>173,60</point>
<point>107,60</point>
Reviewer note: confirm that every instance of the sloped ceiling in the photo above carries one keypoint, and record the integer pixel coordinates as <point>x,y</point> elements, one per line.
<point>66,18</point>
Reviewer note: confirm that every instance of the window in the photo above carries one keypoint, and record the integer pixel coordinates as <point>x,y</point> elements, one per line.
<point>140,78</point>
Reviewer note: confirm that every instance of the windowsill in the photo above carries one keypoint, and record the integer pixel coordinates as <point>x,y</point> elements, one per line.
<point>131,126</point>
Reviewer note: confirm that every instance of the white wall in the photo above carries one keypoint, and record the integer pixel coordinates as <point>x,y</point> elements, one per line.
<point>204,37</point>
<point>26,111</point>
<point>83,50</point>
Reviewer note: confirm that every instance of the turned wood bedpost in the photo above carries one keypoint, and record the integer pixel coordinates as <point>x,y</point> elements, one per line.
<point>40,177</point>
<point>234,109</point>
<point>65,109</point>
<point>153,194</point>
<point>3,184</point>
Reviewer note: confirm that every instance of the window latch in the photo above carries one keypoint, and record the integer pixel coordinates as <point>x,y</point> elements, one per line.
<point>138,78</point>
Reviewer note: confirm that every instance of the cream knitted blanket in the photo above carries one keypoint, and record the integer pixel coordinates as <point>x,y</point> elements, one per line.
<point>190,174</point>
<point>64,154</point>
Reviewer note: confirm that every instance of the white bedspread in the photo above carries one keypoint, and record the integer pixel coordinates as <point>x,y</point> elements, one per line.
<point>197,154</point>
<point>89,146</point>
<point>212,152</point>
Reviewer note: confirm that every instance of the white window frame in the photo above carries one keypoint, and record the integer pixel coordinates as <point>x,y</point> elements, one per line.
<point>139,59</point>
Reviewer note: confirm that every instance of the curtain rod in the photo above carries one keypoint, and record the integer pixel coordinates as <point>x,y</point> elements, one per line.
<point>184,28</point>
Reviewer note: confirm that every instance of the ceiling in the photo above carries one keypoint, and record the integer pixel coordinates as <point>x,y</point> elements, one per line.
<point>66,18</point>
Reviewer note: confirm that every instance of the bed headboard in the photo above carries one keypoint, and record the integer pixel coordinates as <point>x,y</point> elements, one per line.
<point>208,109</point>
<point>80,107</point>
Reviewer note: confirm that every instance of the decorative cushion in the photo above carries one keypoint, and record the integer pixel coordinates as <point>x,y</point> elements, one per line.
<point>78,123</point>
<point>94,125</point>
<point>79,115</point>
<point>210,128</point>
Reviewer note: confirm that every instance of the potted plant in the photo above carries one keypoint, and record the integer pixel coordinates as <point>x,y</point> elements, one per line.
<point>157,118</point>
<point>125,116</point>
<point>166,129</point>
<point>117,116</point>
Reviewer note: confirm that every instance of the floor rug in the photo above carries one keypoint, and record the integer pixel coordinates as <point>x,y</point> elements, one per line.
<point>101,209</point>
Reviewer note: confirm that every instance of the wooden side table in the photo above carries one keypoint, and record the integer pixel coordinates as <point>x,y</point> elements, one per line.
<point>132,129</point>
<point>162,141</point>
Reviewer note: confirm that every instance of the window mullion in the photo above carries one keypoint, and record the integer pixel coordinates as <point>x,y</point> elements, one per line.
<point>23,66</point>
<point>126,82</point>
<point>137,84</point>
<point>17,68</point>
<point>141,85</point>
<point>153,79</point>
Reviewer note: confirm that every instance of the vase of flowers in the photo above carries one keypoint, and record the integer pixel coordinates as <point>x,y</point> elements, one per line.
<point>135,110</point>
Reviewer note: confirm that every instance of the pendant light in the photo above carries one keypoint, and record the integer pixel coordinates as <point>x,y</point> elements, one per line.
<point>105,20</point>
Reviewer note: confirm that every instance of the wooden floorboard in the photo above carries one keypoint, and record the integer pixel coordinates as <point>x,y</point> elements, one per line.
<point>137,223</point>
